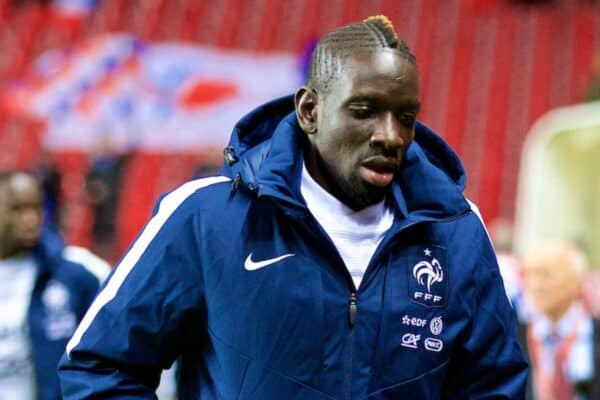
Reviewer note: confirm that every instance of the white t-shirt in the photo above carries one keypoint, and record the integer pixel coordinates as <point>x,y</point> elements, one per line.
<point>355,234</point>
<point>17,275</point>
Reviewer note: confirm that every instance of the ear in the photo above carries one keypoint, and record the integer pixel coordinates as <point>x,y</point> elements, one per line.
<point>306,101</point>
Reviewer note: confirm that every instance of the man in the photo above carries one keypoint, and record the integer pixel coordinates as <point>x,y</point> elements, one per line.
<point>562,339</point>
<point>334,260</point>
<point>45,290</point>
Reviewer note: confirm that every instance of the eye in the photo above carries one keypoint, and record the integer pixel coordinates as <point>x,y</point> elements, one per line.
<point>361,111</point>
<point>408,119</point>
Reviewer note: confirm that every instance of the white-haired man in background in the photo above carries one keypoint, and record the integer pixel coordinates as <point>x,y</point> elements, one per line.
<point>560,334</point>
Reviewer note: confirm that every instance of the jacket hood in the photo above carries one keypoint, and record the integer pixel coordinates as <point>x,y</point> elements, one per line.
<point>264,156</point>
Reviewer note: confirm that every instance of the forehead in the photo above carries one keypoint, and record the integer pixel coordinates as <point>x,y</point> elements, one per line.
<point>382,72</point>
<point>556,259</point>
<point>22,189</point>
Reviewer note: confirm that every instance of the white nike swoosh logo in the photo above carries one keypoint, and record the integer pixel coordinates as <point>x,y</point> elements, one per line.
<point>250,265</point>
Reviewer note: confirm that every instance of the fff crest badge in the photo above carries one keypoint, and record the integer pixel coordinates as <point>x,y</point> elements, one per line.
<point>428,277</point>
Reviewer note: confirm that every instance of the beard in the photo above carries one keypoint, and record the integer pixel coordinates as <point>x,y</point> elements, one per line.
<point>353,191</point>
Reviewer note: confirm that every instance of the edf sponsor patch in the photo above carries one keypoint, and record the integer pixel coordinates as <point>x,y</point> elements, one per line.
<point>428,277</point>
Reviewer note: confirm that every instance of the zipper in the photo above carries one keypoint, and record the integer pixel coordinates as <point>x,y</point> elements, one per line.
<point>353,300</point>
<point>348,366</point>
<point>314,229</point>
<point>352,309</point>
<point>328,246</point>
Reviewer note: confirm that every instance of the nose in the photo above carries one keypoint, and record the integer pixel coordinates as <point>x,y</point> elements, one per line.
<point>31,218</point>
<point>390,134</point>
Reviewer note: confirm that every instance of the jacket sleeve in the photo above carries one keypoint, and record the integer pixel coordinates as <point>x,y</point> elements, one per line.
<point>488,363</point>
<point>138,323</point>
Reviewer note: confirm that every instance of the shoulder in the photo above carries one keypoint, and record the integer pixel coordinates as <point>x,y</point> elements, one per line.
<point>474,226</point>
<point>469,246</point>
<point>467,229</point>
<point>195,199</point>
<point>69,264</point>
<point>88,261</point>
<point>79,269</point>
<point>181,211</point>
<point>193,195</point>
<point>478,218</point>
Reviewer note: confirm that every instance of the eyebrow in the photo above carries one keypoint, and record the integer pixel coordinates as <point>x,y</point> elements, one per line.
<point>416,105</point>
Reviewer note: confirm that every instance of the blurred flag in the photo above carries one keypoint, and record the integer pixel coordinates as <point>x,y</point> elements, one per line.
<point>74,8</point>
<point>167,97</point>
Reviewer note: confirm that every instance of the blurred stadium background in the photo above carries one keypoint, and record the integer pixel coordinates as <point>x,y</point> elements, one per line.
<point>163,81</point>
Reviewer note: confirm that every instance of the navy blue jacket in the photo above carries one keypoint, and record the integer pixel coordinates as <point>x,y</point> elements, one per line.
<point>63,290</point>
<point>234,275</point>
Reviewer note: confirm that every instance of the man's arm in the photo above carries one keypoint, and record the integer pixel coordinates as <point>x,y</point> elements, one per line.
<point>137,324</point>
<point>488,364</point>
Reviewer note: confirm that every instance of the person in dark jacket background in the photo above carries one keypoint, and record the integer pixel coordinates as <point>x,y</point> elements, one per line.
<point>335,258</point>
<point>45,289</point>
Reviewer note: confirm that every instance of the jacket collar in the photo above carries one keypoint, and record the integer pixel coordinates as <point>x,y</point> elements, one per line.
<point>268,145</point>
<point>48,252</point>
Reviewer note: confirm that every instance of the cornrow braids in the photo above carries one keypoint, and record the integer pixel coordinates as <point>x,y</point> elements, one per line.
<point>376,32</point>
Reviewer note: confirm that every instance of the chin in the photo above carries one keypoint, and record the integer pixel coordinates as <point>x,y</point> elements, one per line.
<point>29,243</point>
<point>360,194</point>
<point>369,197</point>
<point>375,193</point>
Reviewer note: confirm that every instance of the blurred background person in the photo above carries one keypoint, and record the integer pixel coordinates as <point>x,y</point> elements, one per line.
<point>49,177</point>
<point>45,288</point>
<point>103,184</point>
<point>560,335</point>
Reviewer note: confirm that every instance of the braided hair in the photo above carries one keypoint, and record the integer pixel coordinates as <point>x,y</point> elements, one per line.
<point>373,33</point>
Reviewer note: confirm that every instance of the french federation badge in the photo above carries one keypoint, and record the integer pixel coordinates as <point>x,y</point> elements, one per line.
<point>428,277</point>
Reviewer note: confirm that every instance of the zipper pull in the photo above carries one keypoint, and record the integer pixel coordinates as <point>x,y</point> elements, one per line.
<point>352,309</point>
<point>229,155</point>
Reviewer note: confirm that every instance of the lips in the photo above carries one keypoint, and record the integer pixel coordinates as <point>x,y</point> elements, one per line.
<point>29,237</point>
<point>379,170</point>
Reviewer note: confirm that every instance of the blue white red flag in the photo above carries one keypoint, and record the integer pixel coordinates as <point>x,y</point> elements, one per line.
<point>74,8</point>
<point>168,97</point>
